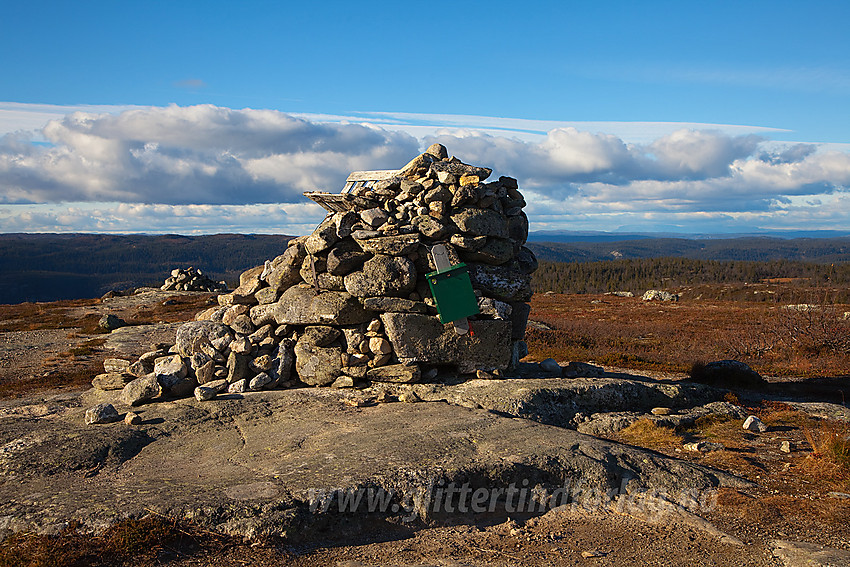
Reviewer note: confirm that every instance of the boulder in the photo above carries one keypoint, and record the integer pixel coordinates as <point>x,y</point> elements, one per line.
<point>727,373</point>
<point>423,339</point>
<point>345,258</point>
<point>394,304</point>
<point>659,295</point>
<point>496,251</point>
<point>317,366</point>
<point>481,222</point>
<point>112,380</point>
<point>191,334</point>
<point>110,322</point>
<point>430,227</point>
<point>501,283</point>
<point>459,169</point>
<point>116,365</point>
<point>204,393</point>
<point>259,382</point>
<point>383,275</point>
<point>323,237</point>
<point>301,305</point>
<point>237,367</point>
<point>518,228</point>
<point>141,390</point>
<point>169,370</point>
<point>101,413</point>
<point>285,268</point>
<point>320,335</point>
<point>753,423</point>
<point>281,371</point>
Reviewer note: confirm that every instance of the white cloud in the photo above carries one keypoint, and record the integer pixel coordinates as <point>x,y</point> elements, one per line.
<point>191,155</point>
<point>176,168</point>
<point>293,219</point>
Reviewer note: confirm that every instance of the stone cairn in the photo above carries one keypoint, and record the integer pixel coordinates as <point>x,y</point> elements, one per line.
<point>191,279</point>
<point>349,304</point>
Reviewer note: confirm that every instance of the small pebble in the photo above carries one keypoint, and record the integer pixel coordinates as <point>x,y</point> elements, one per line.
<point>132,418</point>
<point>753,423</point>
<point>204,394</point>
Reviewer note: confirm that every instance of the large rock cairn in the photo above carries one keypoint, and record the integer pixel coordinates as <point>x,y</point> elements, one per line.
<point>349,304</point>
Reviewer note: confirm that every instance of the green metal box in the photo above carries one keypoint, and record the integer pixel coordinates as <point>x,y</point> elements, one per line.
<point>452,292</point>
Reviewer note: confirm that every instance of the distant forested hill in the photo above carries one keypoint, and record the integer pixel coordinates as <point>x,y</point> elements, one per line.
<point>751,249</point>
<point>638,275</point>
<point>46,267</point>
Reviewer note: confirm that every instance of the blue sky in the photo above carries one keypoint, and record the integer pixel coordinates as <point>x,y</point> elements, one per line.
<point>199,117</point>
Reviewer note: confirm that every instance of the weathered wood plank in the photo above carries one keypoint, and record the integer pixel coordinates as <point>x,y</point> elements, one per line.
<point>372,175</point>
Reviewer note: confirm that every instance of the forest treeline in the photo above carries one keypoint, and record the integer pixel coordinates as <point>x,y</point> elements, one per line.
<point>638,275</point>
<point>47,267</point>
<point>752,249</point>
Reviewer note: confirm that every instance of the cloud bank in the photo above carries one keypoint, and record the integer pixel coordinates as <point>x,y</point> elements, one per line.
<point>193,164</point>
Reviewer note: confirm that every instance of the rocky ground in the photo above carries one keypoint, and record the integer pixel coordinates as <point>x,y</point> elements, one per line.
<point>263,465</point>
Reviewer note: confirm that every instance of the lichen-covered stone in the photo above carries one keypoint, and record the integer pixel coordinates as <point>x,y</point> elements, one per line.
<point>383,275</point>
<point>501,283</point>
<point>101,413</point>
<point>141,390</point>
<point>301,305</point>
<point>396,373</point>
<point>317,366</point>
<point>481,222</point>
<point>189,334</point>
<point>112,380</point>
<point>423,339</point>
<point>390,245</point>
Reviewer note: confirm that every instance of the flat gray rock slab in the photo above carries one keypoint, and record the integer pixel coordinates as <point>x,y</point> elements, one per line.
<point>823,410</point>
<point>137,339</point>
<point>557,401</point>
<point>802,554</point>
<point>253,465</point>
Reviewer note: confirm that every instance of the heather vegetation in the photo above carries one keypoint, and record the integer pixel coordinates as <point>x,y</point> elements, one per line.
<point>808,339</point>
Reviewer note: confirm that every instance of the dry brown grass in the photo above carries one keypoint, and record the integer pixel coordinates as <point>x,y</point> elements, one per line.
<point>823,514</point>
<point>152,540</point>
<point>646,433</point>
<point>72,369</point>
<point>52,315</point>
<point>631,333</point>
<point>171,309</point>
<point>829,460</point>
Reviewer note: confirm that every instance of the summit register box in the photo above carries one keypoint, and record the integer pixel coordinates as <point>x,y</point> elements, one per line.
<point>453,294</point>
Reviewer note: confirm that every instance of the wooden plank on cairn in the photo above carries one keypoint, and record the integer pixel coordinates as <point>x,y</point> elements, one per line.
<point>337,202</point>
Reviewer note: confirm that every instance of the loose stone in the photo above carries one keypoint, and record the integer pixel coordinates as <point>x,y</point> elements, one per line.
<point>753,423</point>
<point>101,413</point>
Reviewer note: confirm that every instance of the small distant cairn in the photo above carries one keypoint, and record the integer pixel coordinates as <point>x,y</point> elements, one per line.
<point>350,304</point>
<point>191,279</point>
